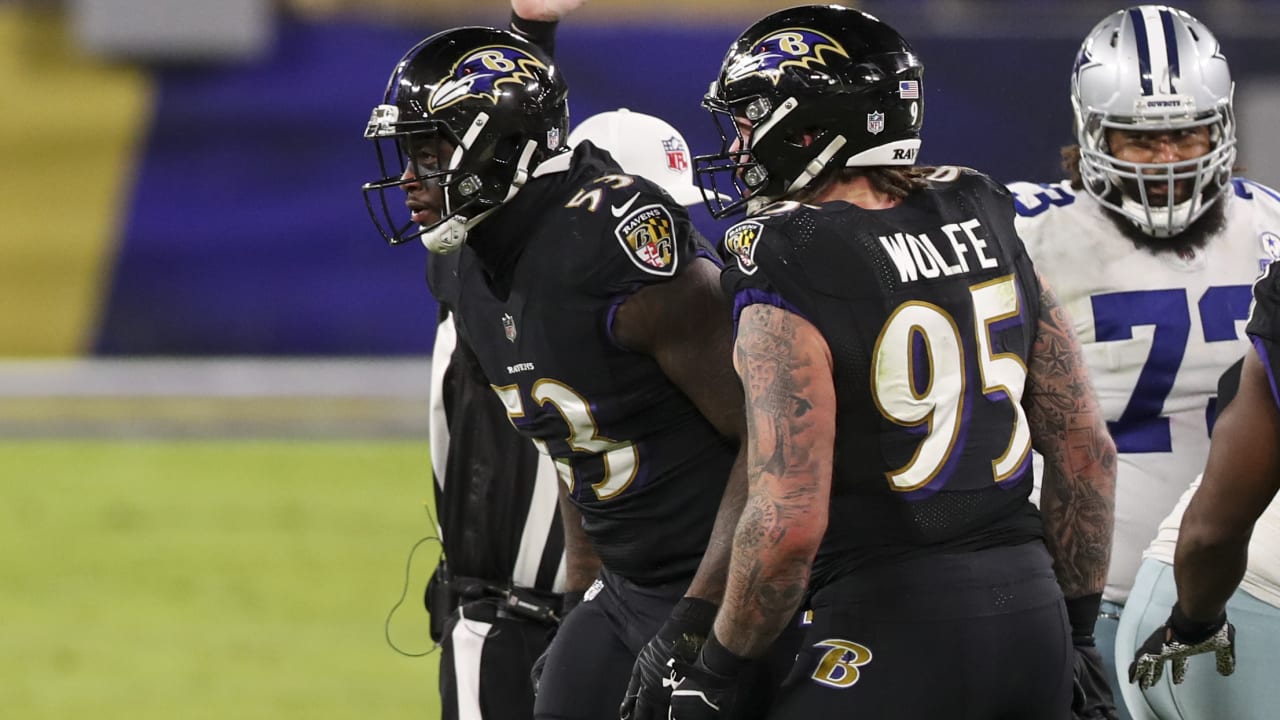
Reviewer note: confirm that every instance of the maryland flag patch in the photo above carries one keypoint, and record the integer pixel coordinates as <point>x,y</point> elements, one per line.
<point>649,239</point>
<point>740,240</point>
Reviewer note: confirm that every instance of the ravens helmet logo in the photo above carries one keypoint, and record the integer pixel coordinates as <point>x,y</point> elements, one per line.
<point>785,48</point>
<point>481,73</point>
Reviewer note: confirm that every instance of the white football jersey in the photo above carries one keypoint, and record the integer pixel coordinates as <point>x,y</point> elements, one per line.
<point>1157,330</point>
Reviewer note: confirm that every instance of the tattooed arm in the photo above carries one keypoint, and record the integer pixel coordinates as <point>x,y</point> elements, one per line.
<point>786,372</point>
<point>1077,497</point>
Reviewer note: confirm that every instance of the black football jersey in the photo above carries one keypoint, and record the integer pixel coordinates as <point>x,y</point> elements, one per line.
<point>1264,324</point>
<point>535,290</point>
<point>930,309</point>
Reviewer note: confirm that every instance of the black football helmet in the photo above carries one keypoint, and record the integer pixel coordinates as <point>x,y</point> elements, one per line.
<point>492,96</point>
<point>839,77</point>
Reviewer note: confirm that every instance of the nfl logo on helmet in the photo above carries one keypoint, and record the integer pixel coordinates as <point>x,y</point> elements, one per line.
<point>875,123</point>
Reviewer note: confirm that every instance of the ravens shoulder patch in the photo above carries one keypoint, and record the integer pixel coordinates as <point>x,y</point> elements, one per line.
<point>647,233</point>
<point>740,241</point>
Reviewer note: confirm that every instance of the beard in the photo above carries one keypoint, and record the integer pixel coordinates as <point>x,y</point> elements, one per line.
<point>1193,238</point>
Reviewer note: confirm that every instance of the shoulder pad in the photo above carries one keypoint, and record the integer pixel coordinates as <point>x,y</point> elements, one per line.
<point>949,173</point>
<point>780,210</point>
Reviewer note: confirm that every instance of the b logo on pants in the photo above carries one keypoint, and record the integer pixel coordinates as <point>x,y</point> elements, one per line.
<point>838,667</point>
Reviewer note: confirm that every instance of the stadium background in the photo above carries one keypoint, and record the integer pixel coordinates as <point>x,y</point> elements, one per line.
<point>212,370</point>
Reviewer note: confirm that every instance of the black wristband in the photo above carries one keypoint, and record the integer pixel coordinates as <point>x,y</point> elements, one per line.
<point>539,32</point>
<point>720,660</point>
<point>1082,612</point>
<point>1193,632</point>
<point>694,615</point>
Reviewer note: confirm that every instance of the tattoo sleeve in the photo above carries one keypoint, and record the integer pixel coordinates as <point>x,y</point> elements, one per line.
<point>786,373</point>
<point>1077,497</point>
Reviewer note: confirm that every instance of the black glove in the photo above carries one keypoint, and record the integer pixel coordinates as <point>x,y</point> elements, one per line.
<point>1091,697</point>
<point>568,602</point>
<point>1177,640</point>
<point>1091,694</point>
<point>535,672</point>
<point>704,688</point>
<point>681,637</point>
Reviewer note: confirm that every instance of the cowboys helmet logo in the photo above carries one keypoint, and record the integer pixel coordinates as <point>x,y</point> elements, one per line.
<point>740,240</point>
<point>785,48</point>
<point>481,73</point>
<point>648,237</point>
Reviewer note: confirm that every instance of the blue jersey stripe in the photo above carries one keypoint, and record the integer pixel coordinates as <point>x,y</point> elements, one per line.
<point>1144,49</point>
<point>1171,48</point>
<point>1244,188</point>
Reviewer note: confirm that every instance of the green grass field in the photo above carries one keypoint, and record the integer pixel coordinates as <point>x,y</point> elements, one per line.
<point>165,580</point>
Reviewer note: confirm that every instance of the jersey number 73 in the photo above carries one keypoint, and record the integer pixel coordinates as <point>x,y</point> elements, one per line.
<point>1142,427</point>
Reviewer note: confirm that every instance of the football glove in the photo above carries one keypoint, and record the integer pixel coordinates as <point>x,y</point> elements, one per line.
<point>1091,693</point>
<point>1091,697</point>
<point>681,637</point>
<point>1177,640</point>
<point>703,689</point>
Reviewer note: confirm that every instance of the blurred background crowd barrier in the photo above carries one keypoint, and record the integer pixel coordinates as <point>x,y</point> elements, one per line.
<point>181,177</point>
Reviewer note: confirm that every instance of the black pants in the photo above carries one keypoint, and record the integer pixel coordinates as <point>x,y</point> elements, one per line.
<point>974,636</point>
<point>485,663</point>
<point>590,661</point>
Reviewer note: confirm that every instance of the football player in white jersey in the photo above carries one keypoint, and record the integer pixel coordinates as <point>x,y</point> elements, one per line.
<point>1152,246</point>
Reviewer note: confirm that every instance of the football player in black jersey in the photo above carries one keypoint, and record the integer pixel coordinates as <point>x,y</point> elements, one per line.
<point>595,312</point>
<point>1233,507</point>
<point>900,360</point>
